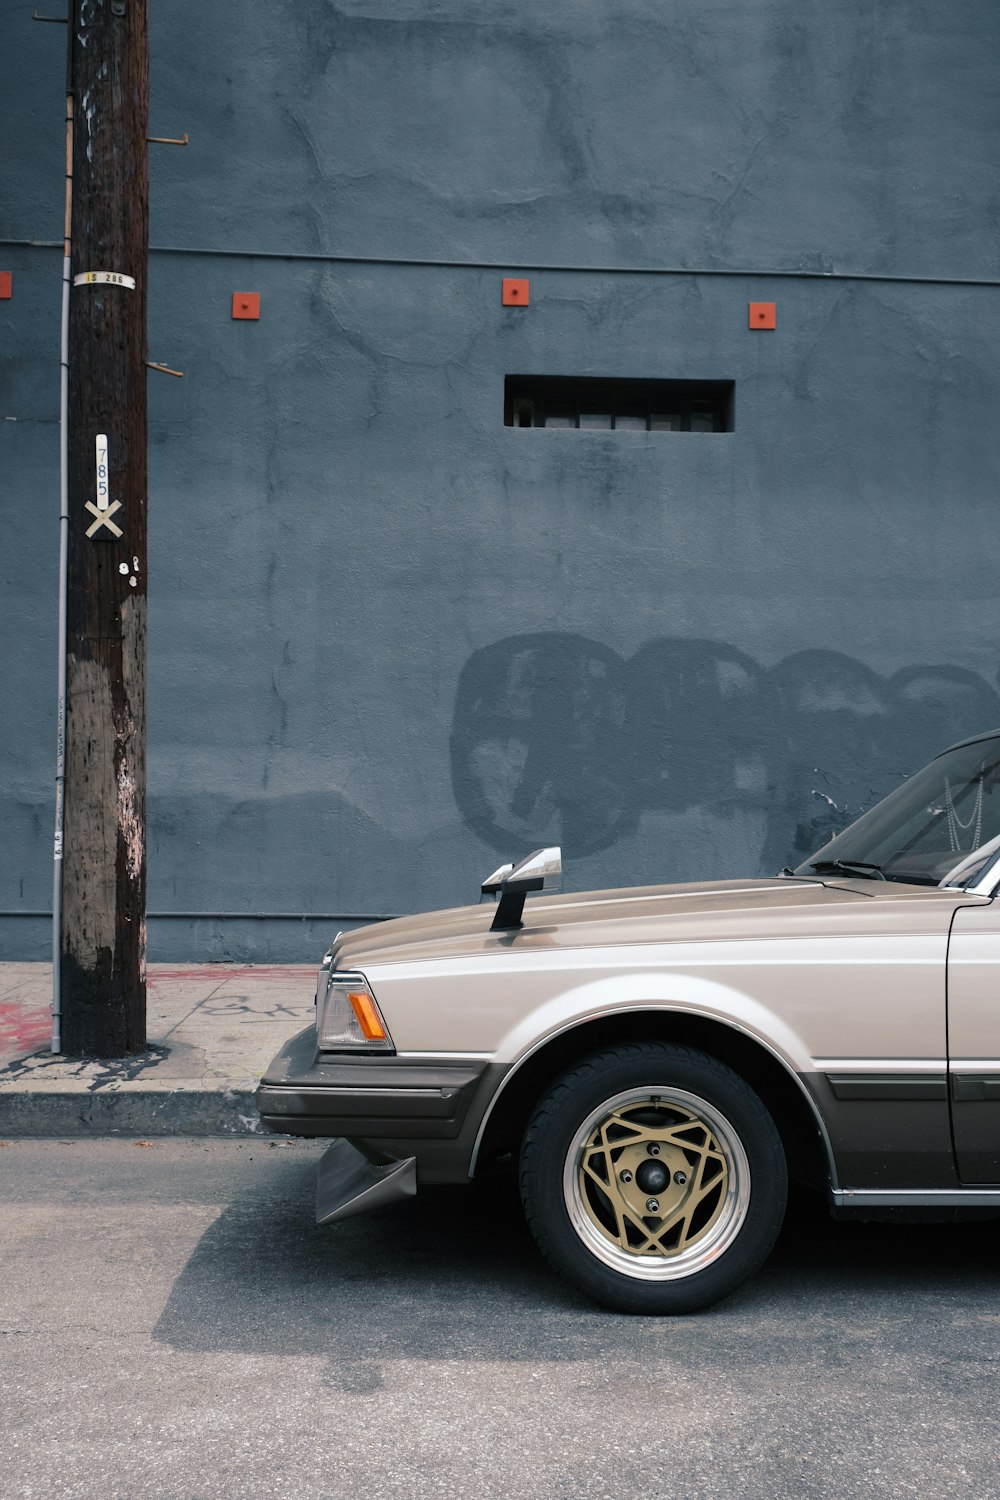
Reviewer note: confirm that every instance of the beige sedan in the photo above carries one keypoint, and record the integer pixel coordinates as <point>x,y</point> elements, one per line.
<point>660,1061</point>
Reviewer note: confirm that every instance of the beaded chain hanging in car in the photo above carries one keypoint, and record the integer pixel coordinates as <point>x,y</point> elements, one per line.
<point>955,824</point>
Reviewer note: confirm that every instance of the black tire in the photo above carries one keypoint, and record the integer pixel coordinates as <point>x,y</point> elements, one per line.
<point>680,1124</point>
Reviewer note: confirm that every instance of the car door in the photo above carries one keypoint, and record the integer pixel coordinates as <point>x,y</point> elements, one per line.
<point>974,1040</point>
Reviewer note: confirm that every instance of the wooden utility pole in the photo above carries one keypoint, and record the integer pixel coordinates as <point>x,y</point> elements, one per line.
<point>102,981</point>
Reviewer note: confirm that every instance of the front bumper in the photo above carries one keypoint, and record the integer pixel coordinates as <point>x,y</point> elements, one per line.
<point>372,1098</point>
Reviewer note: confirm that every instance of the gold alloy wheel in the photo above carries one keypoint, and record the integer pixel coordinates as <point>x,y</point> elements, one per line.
<point>657,1183</point>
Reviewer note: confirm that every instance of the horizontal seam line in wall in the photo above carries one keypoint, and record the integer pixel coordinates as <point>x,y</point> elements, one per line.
<point>326,257</point>
<point>247,916</point>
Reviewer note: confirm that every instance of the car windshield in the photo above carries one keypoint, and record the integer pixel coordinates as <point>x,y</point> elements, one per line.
<point>939,828</point>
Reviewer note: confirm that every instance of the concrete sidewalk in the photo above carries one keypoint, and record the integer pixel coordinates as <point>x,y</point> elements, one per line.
<point>212,1029</point>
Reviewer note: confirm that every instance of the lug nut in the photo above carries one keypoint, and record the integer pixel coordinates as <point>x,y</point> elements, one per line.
<point>680,1178</point>
<point>625,1176</point>
<point>654,1149</point>
<point>653,1205</point>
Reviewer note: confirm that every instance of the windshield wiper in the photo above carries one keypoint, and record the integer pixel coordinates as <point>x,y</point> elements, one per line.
<point>848,867</point>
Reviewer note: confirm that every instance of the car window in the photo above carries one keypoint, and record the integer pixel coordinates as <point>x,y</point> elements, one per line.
<point>930,830</point>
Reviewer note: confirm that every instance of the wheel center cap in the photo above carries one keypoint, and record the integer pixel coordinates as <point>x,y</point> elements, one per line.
<point>652,1176</point>
<point>640,1177</point>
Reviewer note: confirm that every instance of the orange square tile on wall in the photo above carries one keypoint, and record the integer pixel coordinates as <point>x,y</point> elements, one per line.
<point>763,315</point>
<point>246,304</point>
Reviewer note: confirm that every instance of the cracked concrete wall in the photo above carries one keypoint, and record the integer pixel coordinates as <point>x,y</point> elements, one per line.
<point>390,637</point>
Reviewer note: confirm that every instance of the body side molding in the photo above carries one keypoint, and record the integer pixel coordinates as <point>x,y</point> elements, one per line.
<point>975,1197</point>
<point>888,1086</point>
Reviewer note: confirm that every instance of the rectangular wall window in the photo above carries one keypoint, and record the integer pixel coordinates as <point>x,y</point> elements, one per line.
<point>585,403</point>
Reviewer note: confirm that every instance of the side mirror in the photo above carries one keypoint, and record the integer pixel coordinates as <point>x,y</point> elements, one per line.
<point>535,867</point>
<point>515,881</point>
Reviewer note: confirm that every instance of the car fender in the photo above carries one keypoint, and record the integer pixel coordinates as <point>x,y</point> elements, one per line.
<point>654,991</point>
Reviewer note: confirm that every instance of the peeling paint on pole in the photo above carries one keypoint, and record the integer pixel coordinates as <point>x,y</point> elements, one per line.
<point>129,746</point>
<point>89,884</point>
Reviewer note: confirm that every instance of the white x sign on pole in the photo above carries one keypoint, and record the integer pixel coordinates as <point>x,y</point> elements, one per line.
<point>104,517</point>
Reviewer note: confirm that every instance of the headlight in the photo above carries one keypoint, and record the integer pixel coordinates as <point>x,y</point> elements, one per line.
<point>347,1017</point>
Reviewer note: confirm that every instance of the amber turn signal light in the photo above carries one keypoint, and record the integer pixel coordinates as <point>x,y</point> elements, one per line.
<point>367,1015</point>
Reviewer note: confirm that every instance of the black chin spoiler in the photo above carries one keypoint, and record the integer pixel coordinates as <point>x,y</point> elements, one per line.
<point>514,881</point>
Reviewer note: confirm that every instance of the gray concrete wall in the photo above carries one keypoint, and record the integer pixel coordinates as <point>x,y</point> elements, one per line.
<point>392,640</point>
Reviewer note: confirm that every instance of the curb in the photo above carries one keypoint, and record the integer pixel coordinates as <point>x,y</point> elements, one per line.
<point>144,1112</point>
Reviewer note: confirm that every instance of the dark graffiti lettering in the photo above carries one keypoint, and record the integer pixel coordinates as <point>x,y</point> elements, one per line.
<point>558,737</point>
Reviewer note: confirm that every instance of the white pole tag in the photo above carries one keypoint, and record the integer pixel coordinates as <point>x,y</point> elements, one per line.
<point>102,471</point>
<point>104,278</point>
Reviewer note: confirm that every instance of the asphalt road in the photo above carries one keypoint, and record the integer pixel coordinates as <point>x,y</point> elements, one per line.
<point>172,1324</point>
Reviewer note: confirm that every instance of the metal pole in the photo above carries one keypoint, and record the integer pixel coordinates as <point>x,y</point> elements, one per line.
<point>57,862</point>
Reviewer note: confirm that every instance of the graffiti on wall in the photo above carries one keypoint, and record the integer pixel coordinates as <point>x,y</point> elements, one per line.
<point>556,736</point>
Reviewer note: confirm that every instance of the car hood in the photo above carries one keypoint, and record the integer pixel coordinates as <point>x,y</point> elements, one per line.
<point>709,911</point>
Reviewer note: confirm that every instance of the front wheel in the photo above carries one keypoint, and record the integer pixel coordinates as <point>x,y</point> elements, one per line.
<point>654,1177</point>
